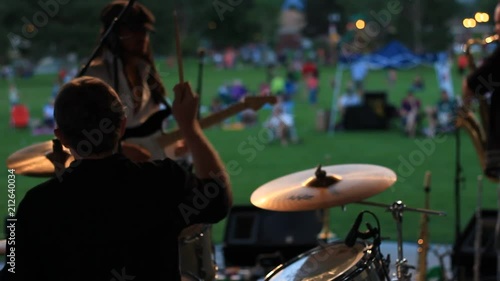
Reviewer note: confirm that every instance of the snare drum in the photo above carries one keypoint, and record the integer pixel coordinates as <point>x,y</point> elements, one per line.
<point>196,251</point>
<point>332,261</point>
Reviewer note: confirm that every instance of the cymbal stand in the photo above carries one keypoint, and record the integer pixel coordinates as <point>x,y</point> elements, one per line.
<point>402,266</point>
<point>397,209</point>
<point>322,180</point>
<point>325,234</point>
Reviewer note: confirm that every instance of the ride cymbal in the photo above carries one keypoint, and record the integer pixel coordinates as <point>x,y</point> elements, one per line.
<point>323,187</point>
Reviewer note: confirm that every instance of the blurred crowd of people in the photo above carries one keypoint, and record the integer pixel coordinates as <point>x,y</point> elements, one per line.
<point>284,81</point>
<point>413,117</point>
<point>21,115</point>
<point>289,75</point>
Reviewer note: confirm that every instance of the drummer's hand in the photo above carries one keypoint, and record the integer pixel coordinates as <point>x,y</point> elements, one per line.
<point>185,107</point>
<point>58,157</point>
<point>181,149</point>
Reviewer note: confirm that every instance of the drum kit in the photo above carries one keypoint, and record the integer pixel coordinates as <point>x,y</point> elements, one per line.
<point>355,258</point>
<point>358,257</point>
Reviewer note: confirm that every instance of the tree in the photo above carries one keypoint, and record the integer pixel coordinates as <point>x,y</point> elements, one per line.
<point>419,24</point>
<point>56,27</point>
<point>378,23</point>
<point>317,13</point>
<point>435,31</point>
<point>265,14</point>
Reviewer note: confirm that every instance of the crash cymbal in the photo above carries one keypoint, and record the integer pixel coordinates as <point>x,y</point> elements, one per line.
<point>35,160</point>
<point>323,187</point>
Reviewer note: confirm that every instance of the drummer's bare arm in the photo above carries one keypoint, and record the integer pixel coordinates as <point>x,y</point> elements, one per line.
<point>206,161</point>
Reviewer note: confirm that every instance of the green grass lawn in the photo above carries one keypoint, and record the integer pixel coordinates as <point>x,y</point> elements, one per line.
<point>386,148</point>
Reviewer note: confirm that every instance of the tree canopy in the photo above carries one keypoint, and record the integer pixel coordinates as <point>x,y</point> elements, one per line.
<point>55,27</point>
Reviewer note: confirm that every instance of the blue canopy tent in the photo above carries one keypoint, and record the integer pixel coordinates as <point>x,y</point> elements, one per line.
<point>297,4</point>
<point>394,55</point>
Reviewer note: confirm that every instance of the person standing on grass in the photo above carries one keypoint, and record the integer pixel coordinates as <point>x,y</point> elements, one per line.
<point>410,113</point>
<point>312,84</point>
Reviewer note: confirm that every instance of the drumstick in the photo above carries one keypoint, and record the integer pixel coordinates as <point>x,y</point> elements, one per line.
<point>178,48</point>
<point>3,247</point>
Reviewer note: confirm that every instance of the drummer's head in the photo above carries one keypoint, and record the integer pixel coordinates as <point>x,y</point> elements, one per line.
<point>131,33</point>
<point>90,117</point>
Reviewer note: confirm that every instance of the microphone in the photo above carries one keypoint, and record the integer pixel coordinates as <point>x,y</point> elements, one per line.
<point>375,233</point>
<point>353,233</point>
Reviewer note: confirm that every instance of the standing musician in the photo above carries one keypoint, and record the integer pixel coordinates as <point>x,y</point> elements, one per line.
<point>485,80</point>
<point>126,63</point>
<point>107,217</point>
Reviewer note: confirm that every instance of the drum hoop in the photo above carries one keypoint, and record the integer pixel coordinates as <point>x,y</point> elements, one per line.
<point>362,265</point>
<point>280,267</point>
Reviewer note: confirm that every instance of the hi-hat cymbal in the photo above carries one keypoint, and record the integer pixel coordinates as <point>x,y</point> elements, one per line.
<point>34,160</point>
<point>323,187</point>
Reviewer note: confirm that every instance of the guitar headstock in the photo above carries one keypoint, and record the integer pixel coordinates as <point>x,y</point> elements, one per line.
<point>256,103</point>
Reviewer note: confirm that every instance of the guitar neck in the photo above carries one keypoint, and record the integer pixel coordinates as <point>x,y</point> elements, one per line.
<point>175,135</point>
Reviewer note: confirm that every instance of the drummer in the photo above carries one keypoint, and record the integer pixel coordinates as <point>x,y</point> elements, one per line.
<point>106,217</point>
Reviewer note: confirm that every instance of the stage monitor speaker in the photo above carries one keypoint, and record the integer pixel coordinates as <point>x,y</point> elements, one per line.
<point>464,251</point>
<point>252,232</point>
<point>377,101</point>
<point>363,118</point>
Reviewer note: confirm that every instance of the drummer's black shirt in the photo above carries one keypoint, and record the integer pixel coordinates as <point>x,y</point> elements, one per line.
<point>112,219</point>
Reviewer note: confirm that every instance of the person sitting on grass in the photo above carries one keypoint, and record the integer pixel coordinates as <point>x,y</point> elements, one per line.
<point>441,117</point>
<point>282,125</point>
<point>410,113</point>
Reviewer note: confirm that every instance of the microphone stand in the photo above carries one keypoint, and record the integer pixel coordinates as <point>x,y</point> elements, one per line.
<point>458,180</point>
<point>104,37</point>
<point>101,44</point>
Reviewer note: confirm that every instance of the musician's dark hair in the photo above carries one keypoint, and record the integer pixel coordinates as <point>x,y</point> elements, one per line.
<point>88,112</point>
<point>138,16</point>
